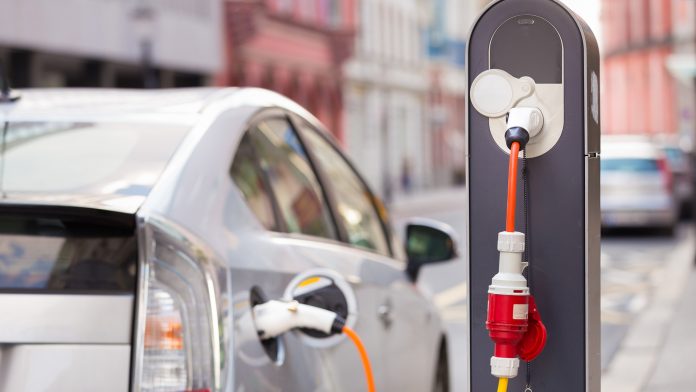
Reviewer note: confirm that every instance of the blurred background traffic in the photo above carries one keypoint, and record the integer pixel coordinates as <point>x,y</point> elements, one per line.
<point>387,78</point>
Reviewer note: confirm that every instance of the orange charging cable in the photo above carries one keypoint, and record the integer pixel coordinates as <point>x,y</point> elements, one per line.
<point>512,187</point>
<point>363,356</point>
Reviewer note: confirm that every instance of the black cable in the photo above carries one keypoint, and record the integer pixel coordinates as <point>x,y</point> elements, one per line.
<point>3,147</point>
<point>527,271</point>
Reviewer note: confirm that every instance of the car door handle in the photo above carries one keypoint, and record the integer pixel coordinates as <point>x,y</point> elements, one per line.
<point>384,312</point>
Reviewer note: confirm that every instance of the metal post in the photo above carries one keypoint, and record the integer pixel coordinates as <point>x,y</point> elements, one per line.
<point>563,192</point>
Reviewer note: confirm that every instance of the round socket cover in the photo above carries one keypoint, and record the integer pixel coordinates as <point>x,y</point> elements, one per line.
<point>495,92</point>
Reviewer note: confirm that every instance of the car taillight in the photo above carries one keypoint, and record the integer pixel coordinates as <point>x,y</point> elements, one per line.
<point>164,364</point>
<point>180,341</point>
<point>663,165</point>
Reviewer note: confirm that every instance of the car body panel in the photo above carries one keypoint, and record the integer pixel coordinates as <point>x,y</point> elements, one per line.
<point>83,367</point>
<point>66,318</point>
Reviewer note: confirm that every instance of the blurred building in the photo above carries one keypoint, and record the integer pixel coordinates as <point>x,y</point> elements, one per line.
<point>405,93</point>
<point>682,65</point>
<point>130,43</point>
<point>639,92</point>
<point>386,94</point>
<point>447,33</point>
<point>295,47</point>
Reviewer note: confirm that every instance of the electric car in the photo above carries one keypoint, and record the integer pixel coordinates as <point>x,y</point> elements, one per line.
<point>636,185</point>
<point>140,228</point>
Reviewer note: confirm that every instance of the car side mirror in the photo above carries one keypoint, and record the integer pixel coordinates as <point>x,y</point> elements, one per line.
<point>428,241</point>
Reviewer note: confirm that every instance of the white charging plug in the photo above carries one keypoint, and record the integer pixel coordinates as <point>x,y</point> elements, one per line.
<point>274,318</point>
<point>529,119</point>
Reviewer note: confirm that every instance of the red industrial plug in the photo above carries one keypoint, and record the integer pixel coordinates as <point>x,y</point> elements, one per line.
<point>513,322</point>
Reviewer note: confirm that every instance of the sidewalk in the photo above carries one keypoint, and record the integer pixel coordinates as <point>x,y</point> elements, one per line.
<point>674,370</point>
<point>656,354</point>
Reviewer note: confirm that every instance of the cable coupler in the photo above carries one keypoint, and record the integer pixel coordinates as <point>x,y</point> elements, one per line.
<point>274,318</point>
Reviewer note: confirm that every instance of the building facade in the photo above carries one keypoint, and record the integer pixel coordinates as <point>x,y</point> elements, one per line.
<point>386,93</point>
<point>447,35</point>
<point>639,92</point>
<point>294,47</point>
<point>682,65</point>
<point>405,93</point>
<point>81,43</point>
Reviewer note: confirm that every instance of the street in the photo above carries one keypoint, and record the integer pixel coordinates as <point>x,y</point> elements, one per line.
<point>633,267</point>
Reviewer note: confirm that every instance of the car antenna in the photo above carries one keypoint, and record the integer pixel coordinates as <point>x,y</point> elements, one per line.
<point>6,93</point>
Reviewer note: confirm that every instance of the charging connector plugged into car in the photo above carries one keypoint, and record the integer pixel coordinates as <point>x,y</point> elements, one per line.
<point>274,318</point>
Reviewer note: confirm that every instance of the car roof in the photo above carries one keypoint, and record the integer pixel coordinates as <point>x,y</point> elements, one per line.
<point>185,106</point>
<point>164,105</point>
<point>630,149</point>
<point>167,105</point>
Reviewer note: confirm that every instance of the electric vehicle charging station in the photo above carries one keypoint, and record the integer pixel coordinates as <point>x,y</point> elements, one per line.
<point>533,65</point>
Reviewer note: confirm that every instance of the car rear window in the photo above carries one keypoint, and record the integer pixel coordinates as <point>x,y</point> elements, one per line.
<point>120,158</point>
<point>59,255</point>
<point>629,165</point>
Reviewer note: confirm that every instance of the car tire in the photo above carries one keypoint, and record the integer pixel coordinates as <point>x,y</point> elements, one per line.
<point>442,382</point>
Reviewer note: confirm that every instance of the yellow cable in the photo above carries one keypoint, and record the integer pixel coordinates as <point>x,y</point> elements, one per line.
<point>502,384</point>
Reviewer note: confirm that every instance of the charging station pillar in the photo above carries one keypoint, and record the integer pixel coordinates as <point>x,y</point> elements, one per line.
<point>542,40</point>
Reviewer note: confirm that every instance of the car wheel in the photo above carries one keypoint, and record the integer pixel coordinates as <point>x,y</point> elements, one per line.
<point>442,383</point>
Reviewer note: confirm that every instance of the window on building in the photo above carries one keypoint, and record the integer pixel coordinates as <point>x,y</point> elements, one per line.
<point>359,212</point>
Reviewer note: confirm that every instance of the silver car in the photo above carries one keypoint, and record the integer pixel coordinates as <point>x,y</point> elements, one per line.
<point>637,189</point>
<point>139,228</point>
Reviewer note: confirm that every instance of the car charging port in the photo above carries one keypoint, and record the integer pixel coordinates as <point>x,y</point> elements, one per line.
<point>276,317</point>
<point>321,292</point>
<point>326,289</point>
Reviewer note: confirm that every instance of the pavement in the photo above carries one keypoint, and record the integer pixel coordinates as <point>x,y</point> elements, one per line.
<point>656,351</point>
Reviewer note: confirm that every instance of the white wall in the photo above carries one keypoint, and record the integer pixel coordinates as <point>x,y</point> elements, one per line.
<point>186,33</point>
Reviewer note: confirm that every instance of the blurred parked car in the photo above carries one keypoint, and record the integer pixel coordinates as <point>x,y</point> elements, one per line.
<point>682,175</point>
<point>138,229</point>
<point>637,188</point>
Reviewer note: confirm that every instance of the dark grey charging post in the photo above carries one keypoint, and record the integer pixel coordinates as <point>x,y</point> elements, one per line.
<point>542,40</point>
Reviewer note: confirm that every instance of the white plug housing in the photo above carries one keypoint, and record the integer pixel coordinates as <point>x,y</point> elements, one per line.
<point>509,279</point>
<point>274,318</point>
<point>504,367</point>
<point>529,119</point>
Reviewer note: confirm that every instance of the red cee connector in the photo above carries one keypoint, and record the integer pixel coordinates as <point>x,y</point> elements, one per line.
<point>515,335</point>
<point>513,321</point>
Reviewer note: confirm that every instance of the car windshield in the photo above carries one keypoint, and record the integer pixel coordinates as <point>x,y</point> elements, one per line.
<point>637,165</point>
<point>86,158</point>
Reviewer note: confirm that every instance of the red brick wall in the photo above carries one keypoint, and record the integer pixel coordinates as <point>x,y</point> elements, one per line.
<point>293,47</point>
<point>638,93</point>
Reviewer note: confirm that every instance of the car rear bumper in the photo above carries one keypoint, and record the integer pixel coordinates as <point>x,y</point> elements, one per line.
<point>642,218</point>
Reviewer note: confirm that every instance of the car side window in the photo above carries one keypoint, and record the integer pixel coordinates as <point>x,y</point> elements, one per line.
<point>250,180</point>
<point>294,184</point>
<point>354,203</point>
